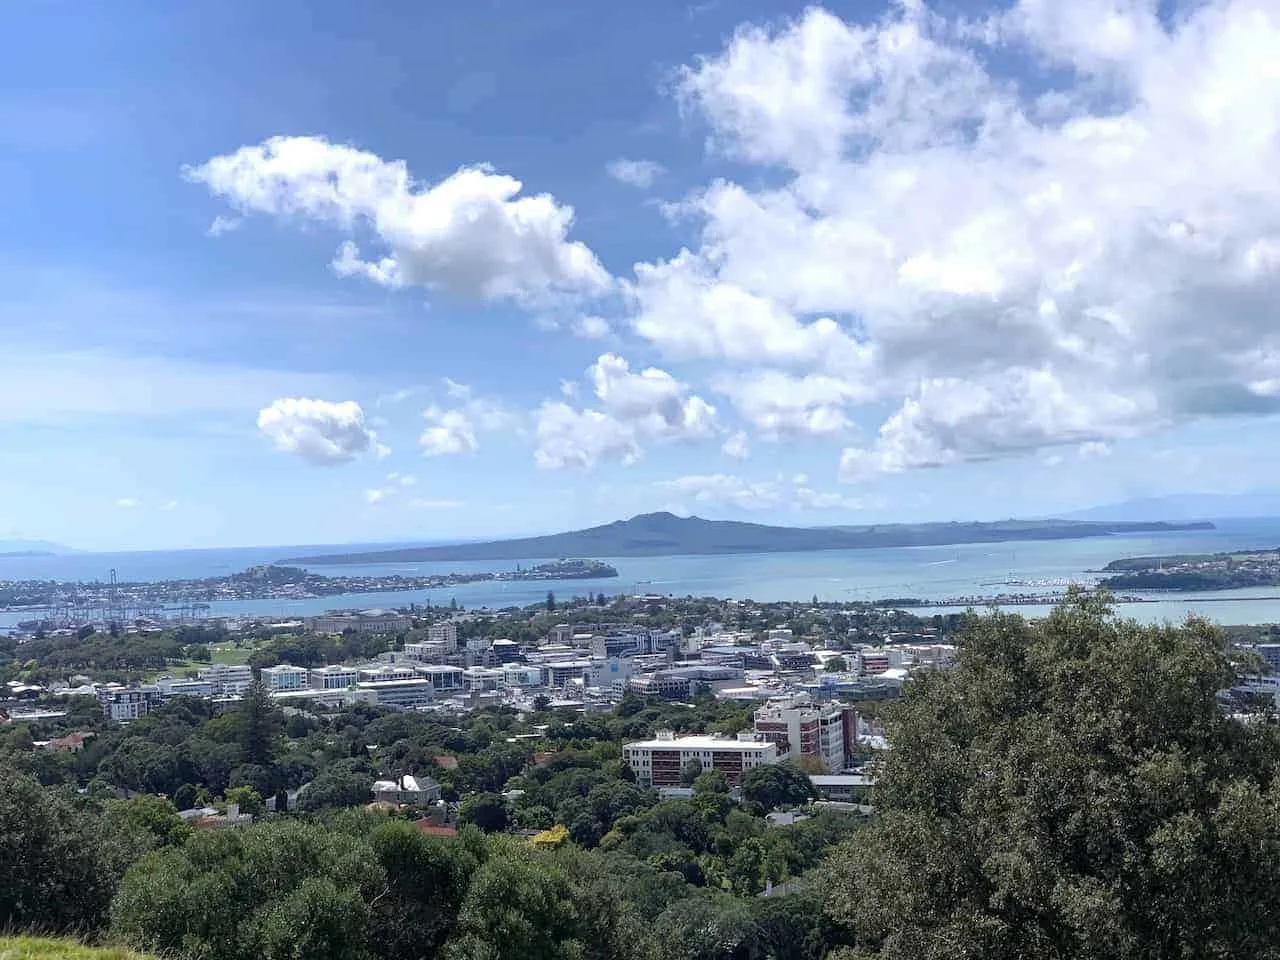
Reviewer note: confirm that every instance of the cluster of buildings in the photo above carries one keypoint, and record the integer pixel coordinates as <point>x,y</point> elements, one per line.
<point>590,665</point>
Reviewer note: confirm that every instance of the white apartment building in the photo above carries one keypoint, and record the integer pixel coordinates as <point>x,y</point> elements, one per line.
<point>128,703</point>
<point>334,677</point>
<point>800,728</point>
<point>446,632</point>
<point>228,680</point>
<point>175,687</point>
<point>406,694</point>
<point>659,762</point>
<point>386,672</point>
<point>285,677</point>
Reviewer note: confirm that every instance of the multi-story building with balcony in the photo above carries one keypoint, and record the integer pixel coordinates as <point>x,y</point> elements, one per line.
<point>801,728</point>
<point>659,762</point>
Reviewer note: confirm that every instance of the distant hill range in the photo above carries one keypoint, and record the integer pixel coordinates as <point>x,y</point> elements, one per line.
<point>664,534</point>
<point>31,548</point>
<point>1182,507</point>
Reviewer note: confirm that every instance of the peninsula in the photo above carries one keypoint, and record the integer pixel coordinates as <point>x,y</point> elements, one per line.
<point>1216,571</point>
<point>664,534</point>
<point>270,583</point>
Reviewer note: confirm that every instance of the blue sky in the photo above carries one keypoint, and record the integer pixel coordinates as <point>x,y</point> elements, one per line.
<point>800,265</point>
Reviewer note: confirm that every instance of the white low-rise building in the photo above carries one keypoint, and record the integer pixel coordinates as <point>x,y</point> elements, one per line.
<point>228,679</point>
<point>659,762</point>
<point>285,677</point>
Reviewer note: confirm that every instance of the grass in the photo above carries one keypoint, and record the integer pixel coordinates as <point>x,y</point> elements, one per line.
<point>225,653</point>
<point>43,948</point>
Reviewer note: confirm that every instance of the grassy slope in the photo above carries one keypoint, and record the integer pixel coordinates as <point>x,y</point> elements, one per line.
<point>41,948</point>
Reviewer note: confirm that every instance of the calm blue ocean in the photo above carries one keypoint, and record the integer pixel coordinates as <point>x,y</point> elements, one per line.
<point>928,572</point>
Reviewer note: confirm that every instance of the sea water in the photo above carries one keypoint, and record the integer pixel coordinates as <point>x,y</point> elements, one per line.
<point>930,573</point>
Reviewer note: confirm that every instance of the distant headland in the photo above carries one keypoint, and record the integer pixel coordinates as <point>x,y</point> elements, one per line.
<point>664,534</point>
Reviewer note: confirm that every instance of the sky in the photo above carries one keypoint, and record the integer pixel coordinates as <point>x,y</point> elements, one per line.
<point>314,272</point>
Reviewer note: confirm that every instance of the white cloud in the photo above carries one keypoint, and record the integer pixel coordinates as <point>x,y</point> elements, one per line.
<point>720,489</point>
<point>1094,450</point>
<point>634,407</point>
<point>736,446</point>
<point>592,327</point>
<point>454,430</point>
<point>421,503</point>
<point>128,503</point>
<point>471,234</point>
<point>318,431</point>
<point>1005,267</point>
<point>952,421</point>
<point>655,401</point>
<point>448,432</point>
<point>394,484</point>
<point>636,173</point>
<point>780,405</point>
<point>169,505</point>
<point>579,439</point>
<point>222,225</point>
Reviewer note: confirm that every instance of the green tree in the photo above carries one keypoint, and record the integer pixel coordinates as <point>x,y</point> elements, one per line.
<point>54,872</point>
<point>488,811</point>
<point>837,665</point>
<point>1071,789</point>
<point>153,816</point>
<point>517,909</point>
<point>248,800</point>
<point>260,724</point>
<point>551,602</point>
<point>690,772</point>
<point>276,891</point>
<point>713,781</point>
<point>776,785</point>
<point>336,787</point>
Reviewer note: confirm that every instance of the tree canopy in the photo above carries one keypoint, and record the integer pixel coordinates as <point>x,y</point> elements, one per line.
<point>1072,789</point>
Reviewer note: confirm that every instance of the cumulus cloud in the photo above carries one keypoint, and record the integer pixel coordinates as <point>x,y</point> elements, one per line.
<point>472,234</point>
<point>319,431</point>
<point>454,430</point>
<point>736,446</point>
<point>721,489</point>
<point>1007,258</point>
<point>634,406</point>
<point>448,432</point>
<point>953,420</point>
<point>658,403</point>
<point>592,327</point>
<point>128,503</point>
<point>579,439</point>
<point>779,404</point>
<point>636,173</point>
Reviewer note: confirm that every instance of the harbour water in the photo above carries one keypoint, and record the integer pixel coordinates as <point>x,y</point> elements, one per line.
<point>931,573</point>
